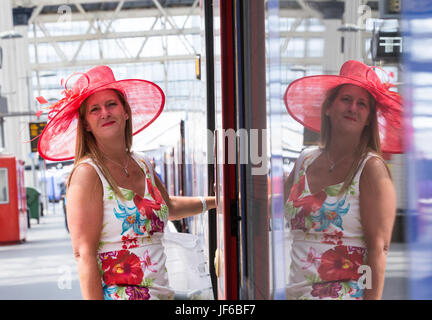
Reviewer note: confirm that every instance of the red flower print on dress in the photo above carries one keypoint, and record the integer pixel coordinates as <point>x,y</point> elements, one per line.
<point>297,189</point>
<point>123,269</point>
<point>333,238</point>
<point>307,204</point>
<point>311,203</point>
<point>129,243</point>
<point>157,225</point>
<point>147,263</point>
<point>326,290</point>
<point>312,259</point>
<point>107,255</point>
<point>138,293</point>
<point>340,263</point>
<point>154,192</point>
<point>299,222</point>
<point>146,206</point>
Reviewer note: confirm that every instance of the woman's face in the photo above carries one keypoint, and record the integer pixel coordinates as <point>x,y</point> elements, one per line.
<point>105,115</point>
<point>350,110</point>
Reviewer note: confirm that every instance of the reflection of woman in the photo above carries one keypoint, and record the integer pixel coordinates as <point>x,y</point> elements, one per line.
<point>116,207</point>
<point>341,203</point>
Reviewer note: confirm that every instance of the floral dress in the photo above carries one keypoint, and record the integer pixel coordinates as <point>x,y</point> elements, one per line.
<point>328,247</point>
<point>130,254</point>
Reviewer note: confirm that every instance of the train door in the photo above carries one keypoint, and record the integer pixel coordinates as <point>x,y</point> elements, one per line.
<point>226,257</point>
<point>252,149</point>
<point>242,256</point>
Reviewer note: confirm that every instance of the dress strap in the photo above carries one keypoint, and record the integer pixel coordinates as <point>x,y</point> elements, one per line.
<point>98,171</point>
<point>357,176</point>
<point>139,156</point>
<point>306,156</point>
<point>362,165</point>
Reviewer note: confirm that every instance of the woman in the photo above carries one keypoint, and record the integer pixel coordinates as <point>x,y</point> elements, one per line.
<point>341,204</point>
<point>117,207</point>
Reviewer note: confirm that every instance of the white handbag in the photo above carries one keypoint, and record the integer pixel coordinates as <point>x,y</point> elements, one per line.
<point>187,266</point>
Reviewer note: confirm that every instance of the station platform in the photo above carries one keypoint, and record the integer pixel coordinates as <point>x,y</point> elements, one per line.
<point>43,267</point>
<point>396,276</point>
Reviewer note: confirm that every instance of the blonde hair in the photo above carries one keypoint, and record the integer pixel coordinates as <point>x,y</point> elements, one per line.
<point>369,140</point>
<point>86,146</point>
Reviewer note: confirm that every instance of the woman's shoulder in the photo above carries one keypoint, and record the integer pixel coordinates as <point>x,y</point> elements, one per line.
<point>374,163</point>
<point>85,174</point>
<point>308,151</point>
<point>305,155</point>
<point>374,166</point>
<point>85,187</point>
<point>373,159</point>
<point>139,155</point>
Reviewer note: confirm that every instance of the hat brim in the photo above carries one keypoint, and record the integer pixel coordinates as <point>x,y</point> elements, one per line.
<point>305,96</point>
<point>146,101</point>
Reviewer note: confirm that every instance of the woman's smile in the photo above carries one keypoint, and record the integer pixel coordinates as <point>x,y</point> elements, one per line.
<point>350,118</point>
<point>107,124</point>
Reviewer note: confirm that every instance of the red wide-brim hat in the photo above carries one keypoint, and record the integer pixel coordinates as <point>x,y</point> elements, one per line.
<point>305,96</point>
<point>57,141</point>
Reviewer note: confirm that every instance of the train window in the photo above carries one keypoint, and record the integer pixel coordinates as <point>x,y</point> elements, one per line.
<point>4,186</point>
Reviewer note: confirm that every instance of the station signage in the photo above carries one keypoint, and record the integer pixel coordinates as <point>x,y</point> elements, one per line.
<point>36,129</point>
<point>387,46</point>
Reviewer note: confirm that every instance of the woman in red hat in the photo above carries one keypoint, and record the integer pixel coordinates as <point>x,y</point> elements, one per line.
<point>117,207</point>
<point>341,204</point>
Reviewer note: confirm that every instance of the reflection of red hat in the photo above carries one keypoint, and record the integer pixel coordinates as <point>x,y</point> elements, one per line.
<point>57,141</point>
<point>304,97</point>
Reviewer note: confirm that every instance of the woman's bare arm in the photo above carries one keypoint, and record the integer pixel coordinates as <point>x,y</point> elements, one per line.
<point>378,212</point>
<point>85,215</point>
<point>182,207</point>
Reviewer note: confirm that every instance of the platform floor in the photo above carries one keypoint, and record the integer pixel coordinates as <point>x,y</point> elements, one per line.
<point>43,267</point>
<point>397,267</point>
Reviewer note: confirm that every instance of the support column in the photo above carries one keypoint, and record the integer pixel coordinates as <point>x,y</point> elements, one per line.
<point>353,46</point>
<point>16,86</point>
<point>333,51</point>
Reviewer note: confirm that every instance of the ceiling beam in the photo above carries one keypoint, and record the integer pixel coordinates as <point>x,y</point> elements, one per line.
<point>122,14</point>
<point>115,35</point>
<point>107,61</point>
<point>30,3</point>
<point>302,60</point>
